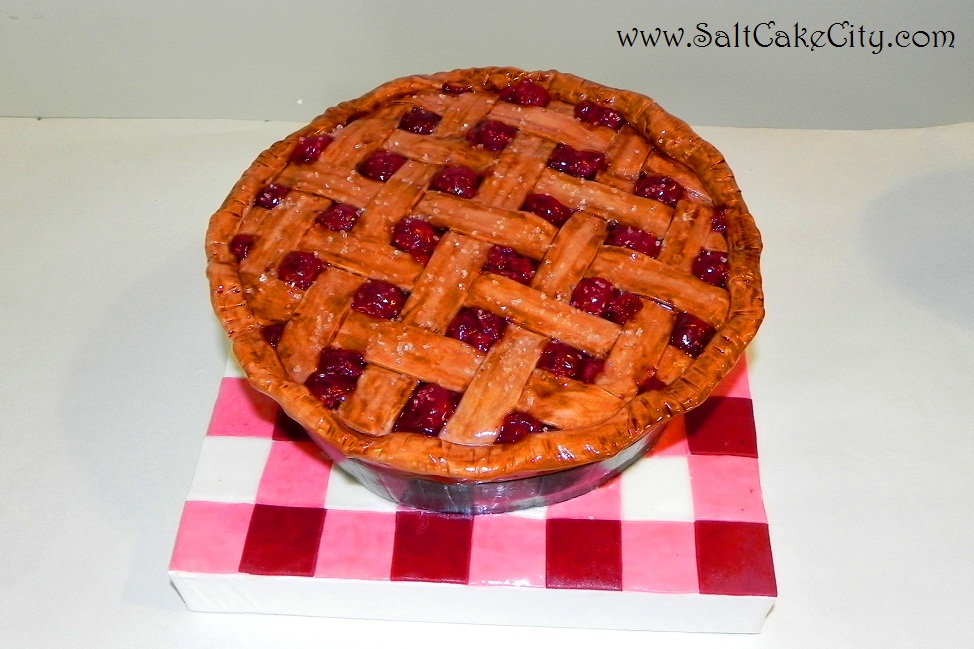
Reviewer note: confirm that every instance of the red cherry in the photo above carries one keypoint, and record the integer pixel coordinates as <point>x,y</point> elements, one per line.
<point>429,408</point>
<point>299,269</point>
<point>589,369</point>
<point>575,162</point>
<point>661,188</point>
<point>419,120</point>
<point>381,165</point>
<point>592,295</point>
<point>455,89</point>
<point>691,334</point>
<point>415,236</point>
<point>651,383</point>
<point>517,425</point>
<point>561,359</point>
<point>271,196</point>
<point>526,93</point>
<point>508,263</point>
<point>379,299</point>
<point>339,217</point>
<point>634,239</point>
<point>548,208</point>
<point>330,389</point>
<point>241,245</point>
<point>308,149</point>
<point>272,333</point>
<point>623,307</point>
<point>341,362</point>
<point>336,376</point>
<point>459,181</point>
<point>711,267</point>
<point>591,113</point>
<point>491,135</point>
<point>477,327</point>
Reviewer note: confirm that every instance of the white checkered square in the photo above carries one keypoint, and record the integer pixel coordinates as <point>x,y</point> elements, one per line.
<point>229,469</point>
<point>537,513</point>
<point>657,489</point>
<point>345,492</point>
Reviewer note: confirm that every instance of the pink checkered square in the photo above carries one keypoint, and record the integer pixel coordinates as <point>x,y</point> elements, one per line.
<point>508,550</point>
<point>296,474</point>
<point>735,384</point>
<point>659,557</point>
<point>241,411</point>
<point>356,545</point>
<point>602,502</point>
<point>211,537</point>
<point>726,488</point>
<point>673,441</point>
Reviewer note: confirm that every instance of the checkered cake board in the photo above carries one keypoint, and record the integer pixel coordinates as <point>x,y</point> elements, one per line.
<point>679,541</point>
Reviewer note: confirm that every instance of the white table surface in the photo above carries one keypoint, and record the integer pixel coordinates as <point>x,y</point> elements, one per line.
<point>861,378</point>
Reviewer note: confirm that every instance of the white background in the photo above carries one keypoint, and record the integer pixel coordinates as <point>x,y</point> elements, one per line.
<point>247,59</point>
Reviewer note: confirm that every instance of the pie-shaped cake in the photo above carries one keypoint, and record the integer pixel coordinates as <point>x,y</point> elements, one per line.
<point>488,288</point>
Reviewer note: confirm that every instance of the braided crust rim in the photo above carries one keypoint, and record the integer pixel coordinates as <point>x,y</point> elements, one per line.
<point>534,454</point>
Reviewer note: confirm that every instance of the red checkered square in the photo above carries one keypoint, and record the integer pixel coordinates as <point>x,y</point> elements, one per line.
<point>286,428</point>
<point>282,541</point>
<point>722,426</point>
<point>431,547</point>
<point>584,554</point>
<point>734,558</point>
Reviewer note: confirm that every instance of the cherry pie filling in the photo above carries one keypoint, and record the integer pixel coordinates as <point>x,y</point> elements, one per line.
<point>457,243</point>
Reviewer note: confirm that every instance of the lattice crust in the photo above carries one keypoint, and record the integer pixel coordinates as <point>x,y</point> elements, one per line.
<point>646,375</point>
